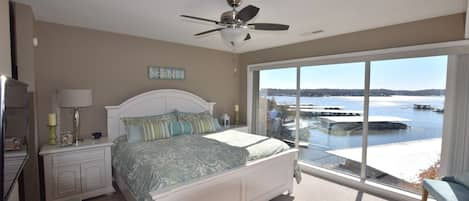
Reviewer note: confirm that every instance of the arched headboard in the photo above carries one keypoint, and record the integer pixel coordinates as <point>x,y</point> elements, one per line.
<point>153,103</point>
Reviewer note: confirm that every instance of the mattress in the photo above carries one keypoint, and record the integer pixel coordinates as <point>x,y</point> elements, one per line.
<point>161,165</point>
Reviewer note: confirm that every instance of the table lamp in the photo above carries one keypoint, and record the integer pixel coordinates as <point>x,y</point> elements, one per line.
<point>75,99</point>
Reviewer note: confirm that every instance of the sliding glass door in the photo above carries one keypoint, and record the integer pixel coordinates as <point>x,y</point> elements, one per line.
<point>389,133</point>
<point>331,109</point>
<point>406,120</point>
<point>276,93</point>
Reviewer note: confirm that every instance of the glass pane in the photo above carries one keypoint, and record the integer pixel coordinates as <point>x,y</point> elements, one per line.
<point>406,120</point>
<point>277,90</point>
<point>331,116</point>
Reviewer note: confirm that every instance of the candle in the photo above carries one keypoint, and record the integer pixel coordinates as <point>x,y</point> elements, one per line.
<point>236,108</point>
<point>52,119</point>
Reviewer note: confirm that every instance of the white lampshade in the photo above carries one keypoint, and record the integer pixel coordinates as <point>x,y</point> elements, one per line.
<point>75,98</point>
<point>234,35</point>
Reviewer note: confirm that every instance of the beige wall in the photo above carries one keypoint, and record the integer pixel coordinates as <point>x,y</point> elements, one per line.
<point>447,28</point>
<point>24,24</point>
<point>115,67</point>
<point>5,56</point>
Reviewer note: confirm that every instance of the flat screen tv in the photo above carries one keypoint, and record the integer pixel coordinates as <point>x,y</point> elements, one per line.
<point>14,129</point>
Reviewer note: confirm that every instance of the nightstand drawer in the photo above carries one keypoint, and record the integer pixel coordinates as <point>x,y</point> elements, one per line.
<point>68,158</point>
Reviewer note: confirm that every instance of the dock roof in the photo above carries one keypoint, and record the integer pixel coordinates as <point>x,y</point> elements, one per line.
<point>328,111</point>
<point>359,119</point>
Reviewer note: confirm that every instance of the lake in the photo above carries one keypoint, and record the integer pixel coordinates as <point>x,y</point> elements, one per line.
<point>422,125</point>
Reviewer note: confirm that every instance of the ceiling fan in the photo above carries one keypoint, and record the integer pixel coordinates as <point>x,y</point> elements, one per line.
<point>234,26</point>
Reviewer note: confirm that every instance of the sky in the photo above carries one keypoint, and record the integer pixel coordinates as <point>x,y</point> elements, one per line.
<point>398,74</point>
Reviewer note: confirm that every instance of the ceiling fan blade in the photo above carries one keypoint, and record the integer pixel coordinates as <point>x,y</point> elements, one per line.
<point>209,31</point>
<point>199,18</point>
<point>247,13</point>
<point>247,37</point>
<point>269,26</point>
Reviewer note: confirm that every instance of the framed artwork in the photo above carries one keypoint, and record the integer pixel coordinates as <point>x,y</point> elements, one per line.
<point>165,73</point>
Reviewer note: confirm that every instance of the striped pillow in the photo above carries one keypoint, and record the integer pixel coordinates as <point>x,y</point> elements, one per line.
<point>203,125</point>
<point>144,130</point>
<point>186,116</point>
<point>155,130</point>
<point>166,117</point>
<point>180,128</point>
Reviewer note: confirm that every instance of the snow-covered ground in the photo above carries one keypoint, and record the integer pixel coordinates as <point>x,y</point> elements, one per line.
<point>404,160</point>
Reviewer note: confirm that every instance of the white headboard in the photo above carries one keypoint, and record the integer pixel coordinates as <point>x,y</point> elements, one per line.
<point>153,103</point>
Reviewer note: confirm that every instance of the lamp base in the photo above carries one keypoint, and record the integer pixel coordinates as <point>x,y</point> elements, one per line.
<point>78,141</point>
<point>76,125</point>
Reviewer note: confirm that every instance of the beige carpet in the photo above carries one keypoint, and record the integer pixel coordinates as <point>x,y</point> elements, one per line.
<point>315,189</point>
<point>310,189</point>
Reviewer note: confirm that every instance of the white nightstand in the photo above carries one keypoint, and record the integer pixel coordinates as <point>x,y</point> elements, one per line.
<point>77,172</point>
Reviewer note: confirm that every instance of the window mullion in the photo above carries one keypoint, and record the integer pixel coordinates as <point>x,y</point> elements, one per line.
<point>297,117</point>
<point>366,109</point>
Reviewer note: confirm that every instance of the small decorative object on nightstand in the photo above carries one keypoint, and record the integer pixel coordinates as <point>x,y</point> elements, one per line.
<point>52,124</point>
<point>236,109</point>
<point>77,172</point>
<point>66,138</point>
<point>226,120</point>
<point>97,135</point>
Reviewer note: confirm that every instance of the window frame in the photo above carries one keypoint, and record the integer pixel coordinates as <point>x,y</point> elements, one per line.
<point>435,49</point>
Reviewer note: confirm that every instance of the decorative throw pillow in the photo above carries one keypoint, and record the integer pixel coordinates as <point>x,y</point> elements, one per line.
<point>180,128</point>
<point>166,117</point>
<point>216,124</point>
<point>134,133</point>
<point>202,122</point>
<point>155,130</point>
<point>187,116</point>
<point>146,129</point>
<point>203,125</point>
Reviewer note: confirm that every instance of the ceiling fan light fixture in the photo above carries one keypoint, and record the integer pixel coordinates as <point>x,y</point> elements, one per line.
<point>234,25</point>
<point>234,35</point>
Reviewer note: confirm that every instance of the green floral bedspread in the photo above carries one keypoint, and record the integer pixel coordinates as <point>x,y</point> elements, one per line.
<point>164,164</point>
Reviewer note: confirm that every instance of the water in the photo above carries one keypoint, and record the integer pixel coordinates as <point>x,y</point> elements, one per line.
<point>422,125</point>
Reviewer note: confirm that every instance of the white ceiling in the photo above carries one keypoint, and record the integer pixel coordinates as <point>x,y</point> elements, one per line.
<point>159,19</point>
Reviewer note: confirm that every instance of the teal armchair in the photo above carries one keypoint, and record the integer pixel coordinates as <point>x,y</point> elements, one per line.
<point>447,189</point>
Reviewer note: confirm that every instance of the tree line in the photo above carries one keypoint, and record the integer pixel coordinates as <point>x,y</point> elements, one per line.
<point>351,92</point>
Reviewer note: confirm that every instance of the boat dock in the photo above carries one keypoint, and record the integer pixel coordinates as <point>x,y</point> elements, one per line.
<point>350,123</point>
<point>427,107</point>
<point>322,107</point>
<point>328,112</point>
<point>423,107</point>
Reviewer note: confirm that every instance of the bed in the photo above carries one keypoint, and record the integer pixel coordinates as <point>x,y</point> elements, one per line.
<point>236,166</point>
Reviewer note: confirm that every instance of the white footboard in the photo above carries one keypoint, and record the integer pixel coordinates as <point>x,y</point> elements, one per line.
<point>260,180</point>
